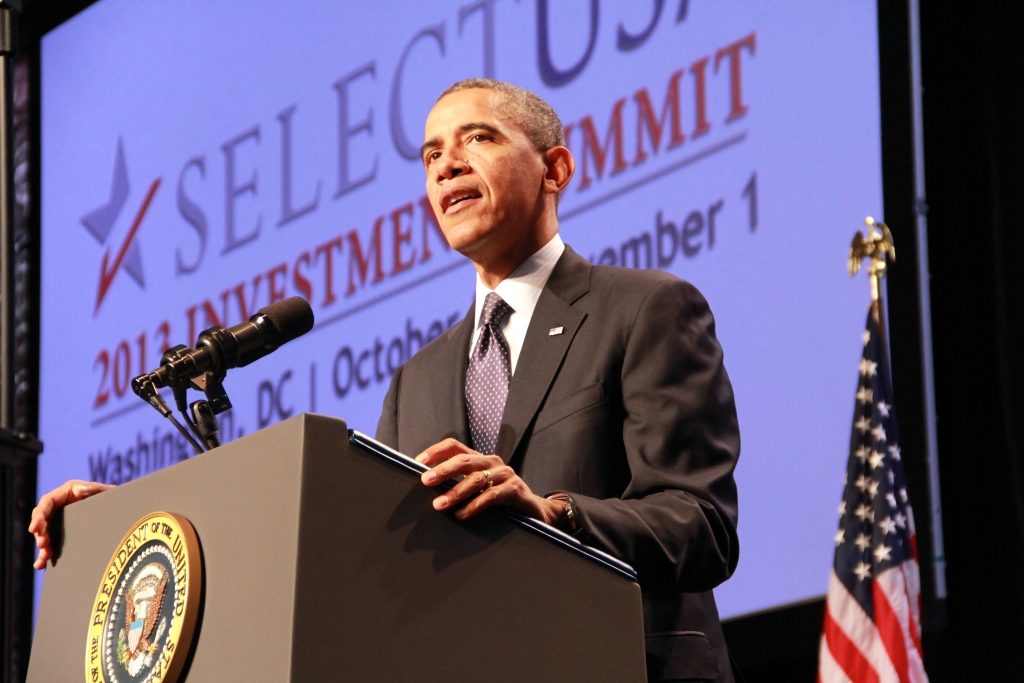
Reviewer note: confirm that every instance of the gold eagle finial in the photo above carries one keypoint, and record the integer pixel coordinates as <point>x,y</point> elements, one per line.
<point>878,247</point>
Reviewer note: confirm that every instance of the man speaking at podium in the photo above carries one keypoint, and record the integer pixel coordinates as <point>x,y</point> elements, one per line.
<point>592,398</point>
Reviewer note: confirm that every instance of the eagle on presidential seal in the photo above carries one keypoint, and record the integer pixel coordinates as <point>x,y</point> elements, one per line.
<point>135,645</point>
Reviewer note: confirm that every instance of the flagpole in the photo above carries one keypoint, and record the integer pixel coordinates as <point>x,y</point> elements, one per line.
<point>931,441</point>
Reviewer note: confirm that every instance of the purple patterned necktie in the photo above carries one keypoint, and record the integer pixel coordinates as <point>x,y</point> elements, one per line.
<point>487,377</point>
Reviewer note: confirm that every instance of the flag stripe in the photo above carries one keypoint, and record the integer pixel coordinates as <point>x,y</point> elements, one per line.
<point>859,628</point>
<point>829,670</point>
<point>912,592</point>
<point>915,637</point>
<point>913,601</point>
<point>894,588</point>
<point>846,655</point>
<point>888,625</point>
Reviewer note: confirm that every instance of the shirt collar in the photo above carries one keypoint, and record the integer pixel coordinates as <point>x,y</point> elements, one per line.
<point>523,286</point>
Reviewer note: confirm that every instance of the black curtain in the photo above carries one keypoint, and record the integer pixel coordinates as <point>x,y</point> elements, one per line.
<point>973,72</point>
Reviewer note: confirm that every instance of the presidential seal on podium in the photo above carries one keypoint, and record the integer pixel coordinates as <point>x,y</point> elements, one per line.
<point>144,616</point>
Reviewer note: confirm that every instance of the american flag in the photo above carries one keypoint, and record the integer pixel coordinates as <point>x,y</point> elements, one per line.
<point>872,630</point>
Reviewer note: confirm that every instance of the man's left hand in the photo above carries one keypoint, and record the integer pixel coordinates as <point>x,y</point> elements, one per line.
<point>487,481</point>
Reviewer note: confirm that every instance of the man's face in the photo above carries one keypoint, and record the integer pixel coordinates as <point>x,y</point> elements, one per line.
<point>484,176</point>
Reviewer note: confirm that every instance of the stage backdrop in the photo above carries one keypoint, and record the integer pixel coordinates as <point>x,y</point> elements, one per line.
<point>202,160</point>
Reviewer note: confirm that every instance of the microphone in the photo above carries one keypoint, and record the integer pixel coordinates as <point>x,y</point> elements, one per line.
<point>219,349</point>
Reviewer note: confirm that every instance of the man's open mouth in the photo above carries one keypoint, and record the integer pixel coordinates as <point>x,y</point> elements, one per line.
<point>460,198</point>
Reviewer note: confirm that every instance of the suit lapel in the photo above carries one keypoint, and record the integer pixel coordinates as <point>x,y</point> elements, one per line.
<point>542,352</point>
<point>448,379</point>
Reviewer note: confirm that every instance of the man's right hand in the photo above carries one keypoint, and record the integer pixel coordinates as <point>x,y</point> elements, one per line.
<point>66,494</point>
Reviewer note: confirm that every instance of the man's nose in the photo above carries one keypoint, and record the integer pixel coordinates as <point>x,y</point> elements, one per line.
<point>450,165</point>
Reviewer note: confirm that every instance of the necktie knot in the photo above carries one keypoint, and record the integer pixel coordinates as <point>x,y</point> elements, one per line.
<point>494,310</point>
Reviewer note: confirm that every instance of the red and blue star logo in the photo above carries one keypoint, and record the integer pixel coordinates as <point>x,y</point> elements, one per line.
<point>100,223</point>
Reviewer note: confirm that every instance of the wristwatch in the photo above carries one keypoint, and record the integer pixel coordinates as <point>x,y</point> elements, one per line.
<point>570,511</point>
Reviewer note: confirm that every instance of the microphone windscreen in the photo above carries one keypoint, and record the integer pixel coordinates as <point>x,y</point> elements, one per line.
<point>292,318</point>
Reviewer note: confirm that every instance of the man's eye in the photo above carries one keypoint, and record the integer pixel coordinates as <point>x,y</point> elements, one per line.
<point>479,137</point>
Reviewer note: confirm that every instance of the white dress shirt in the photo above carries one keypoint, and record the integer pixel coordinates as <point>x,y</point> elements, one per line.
<point>520,290</point>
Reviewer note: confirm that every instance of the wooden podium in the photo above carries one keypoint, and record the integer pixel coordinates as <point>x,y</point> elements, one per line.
<point>324,561</point>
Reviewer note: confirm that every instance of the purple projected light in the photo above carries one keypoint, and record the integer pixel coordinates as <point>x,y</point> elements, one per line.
<point>194,172</point>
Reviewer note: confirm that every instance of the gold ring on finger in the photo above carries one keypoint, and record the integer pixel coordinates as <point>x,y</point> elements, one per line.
<point>490,481</point>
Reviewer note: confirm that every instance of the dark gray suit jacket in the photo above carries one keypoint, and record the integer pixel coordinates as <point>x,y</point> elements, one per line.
<point>631,412</point>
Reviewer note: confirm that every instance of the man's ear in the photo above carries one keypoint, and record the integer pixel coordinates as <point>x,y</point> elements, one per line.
<point>560,168</point>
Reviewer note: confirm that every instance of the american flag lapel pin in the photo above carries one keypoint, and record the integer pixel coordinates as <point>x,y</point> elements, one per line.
<point>555,330</point>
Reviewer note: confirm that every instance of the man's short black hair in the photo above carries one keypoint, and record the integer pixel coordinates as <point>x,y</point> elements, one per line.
<point>536,116</point>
